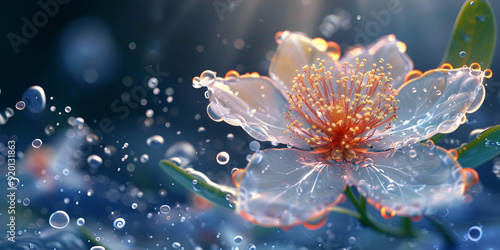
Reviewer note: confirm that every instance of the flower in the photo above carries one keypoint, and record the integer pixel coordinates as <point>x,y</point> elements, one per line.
<point>356,121</point>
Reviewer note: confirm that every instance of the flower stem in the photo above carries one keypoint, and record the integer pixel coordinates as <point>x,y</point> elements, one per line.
<point>368,221</point>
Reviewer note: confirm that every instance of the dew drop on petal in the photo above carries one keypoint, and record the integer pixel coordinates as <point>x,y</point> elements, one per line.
<point>80,222</point>
<point>238,239</point>
<point>462,54</point>
<point>119,223</point>
<point>165,209</point>
<point>59,219</point>
<point>36,143</point>
<point>222,158</point>
<point>94,161</point>
<point>475,233</point>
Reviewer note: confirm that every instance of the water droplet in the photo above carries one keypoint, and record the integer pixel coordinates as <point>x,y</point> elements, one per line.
<point>195,182</point>
<point>152,82</point>
<point>165,209</point>
<point>252,247</point>
<point>119,223</point>
<point>34,98</point>
<point>254,146</point>
<point>438,92</point>
<point>20,105</point>
<point>462,54</point>
<point>94,161</point>
<point>59,219</point>
<point>144,158</point>
<point>183,152</point>
<point>472,3</point>
<point>80,222</point>
<point>155,141</point>
<point>414,90</point>
<point>134,205</point>
<point>222,158</point>
<point>352,240</point>
<point>26,201</point>
<point>79,121</point>
<point>36,143</point>
<point>475,233</point>
<point>176,245</point>
<point>207,77</point>
<point>110,150</point>
<point>238,239</point>
<point>413,153</point>
<point>49,130</point>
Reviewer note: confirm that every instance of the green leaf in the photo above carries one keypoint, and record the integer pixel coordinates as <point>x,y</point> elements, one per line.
<point>199,184</point>
<point>475,33</point>
<point>480,150</point>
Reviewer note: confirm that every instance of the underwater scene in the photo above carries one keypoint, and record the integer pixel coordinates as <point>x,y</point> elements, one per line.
<point>250,124</point>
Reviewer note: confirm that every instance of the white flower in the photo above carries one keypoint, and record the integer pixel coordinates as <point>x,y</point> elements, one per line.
<point>355,121</point>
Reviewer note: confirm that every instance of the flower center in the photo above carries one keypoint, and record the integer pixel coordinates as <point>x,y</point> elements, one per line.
<point>339,114</point>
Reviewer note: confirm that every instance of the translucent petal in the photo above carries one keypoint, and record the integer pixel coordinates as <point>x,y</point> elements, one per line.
<point>433,103</point>
<point>388,48</point>
<point>409,180</point>
<point>255,105</point>
<point>295,51</point>
<point>284,187</point>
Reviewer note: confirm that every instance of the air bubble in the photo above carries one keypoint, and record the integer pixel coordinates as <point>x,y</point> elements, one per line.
<point>20,105</point>
<point>414,90</point>
<point>252,247</point>
<point>438,92</point>
<point>155,141</point>
<point>67,109</point>
<point>462,54</point>
<point>176,245</point>
<point>152,82</point>
<point>49,130</point>
<point>201,129</point>
<point>207,78</point>
<point>34,98</point>
<point>144,158</point>
<point>134,205</point>
<point>80,222</point>
<point>351,240</point>
<point>238,239</point>
<point>475,233</point>
<point>254,146</point>
<point>59,219</point>
<point>165,209</point>
<point>413,153</point>
<point>230,136</point>
<point>94,161</point>
<point>110,150</point>
<point>119,223</point>
<point>26,201</point>
<point>222,158</point>
<point>79,121</point>
<point>36,143</point>
<point>472,3</point>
